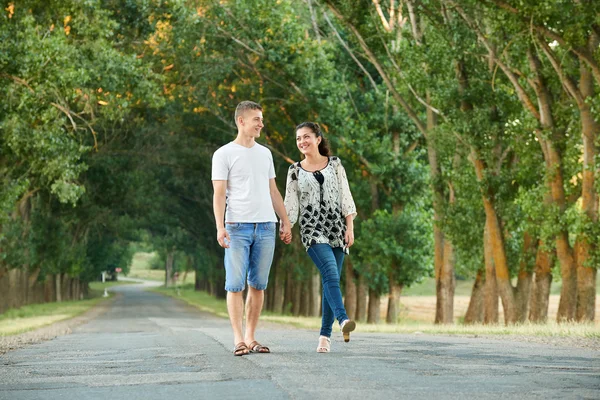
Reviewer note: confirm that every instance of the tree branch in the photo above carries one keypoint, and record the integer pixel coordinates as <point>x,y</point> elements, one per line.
<point>582,53</point>
<point>411,113</point>
<point>567,83</point>
<point>19,81</point>
<point>522,94</point>
<point>384,21</point>
<point>363,69</point>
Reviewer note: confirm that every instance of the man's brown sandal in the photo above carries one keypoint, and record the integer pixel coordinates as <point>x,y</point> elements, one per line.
<point>256,347</point>
<point>240,349</point>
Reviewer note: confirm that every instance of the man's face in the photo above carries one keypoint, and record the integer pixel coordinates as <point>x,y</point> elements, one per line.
<point>251,123</point>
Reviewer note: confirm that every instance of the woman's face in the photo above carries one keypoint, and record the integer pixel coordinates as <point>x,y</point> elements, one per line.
<point>307,141</point>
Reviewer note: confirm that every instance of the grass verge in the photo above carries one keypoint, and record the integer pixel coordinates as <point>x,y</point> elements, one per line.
<point>19,320</point>
<point>208,303</point>
<point>140,268</point>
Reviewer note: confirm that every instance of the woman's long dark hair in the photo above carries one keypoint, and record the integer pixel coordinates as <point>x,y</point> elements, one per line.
<point>316,129</point>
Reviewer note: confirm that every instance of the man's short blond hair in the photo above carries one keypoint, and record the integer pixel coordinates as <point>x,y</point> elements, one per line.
<point>245,106</point>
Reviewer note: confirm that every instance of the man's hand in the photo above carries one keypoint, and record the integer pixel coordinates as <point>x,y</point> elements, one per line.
<point>223,238</point>
<point>285,233</point>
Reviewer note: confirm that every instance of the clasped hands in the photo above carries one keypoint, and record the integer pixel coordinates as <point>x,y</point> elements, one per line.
<point>285,233</point>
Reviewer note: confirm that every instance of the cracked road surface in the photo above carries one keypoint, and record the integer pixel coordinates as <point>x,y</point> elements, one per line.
<point>147,346</point>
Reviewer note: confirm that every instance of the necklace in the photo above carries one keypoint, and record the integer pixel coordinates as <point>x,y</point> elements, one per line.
<point>316,167</point>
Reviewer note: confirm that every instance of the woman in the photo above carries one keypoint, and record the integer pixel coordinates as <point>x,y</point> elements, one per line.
<point>317,189</point>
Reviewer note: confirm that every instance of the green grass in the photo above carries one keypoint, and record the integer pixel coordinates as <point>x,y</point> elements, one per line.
<point>99,286</point>
<point>208,303</point>
<point>26,318</point>
<point>464,288</point>
<point>140,269</point>
<point>19,320</point>
<point>427,288</point>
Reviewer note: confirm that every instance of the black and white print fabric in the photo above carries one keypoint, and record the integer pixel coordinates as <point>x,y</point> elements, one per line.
<point>321,201</point>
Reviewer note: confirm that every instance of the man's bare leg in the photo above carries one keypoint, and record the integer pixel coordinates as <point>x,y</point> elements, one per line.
<point>254,305</point>
<point>235,309</point>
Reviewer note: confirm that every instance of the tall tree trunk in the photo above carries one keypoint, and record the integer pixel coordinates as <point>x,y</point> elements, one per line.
<point>374,307</point>
<point>540,296</point>
<point>361,299</point>
<point>554,173</point>
<point>198,276</point>
<point>568,294</point>
<point>490,314</point>
<point>445,287</point>
<point>278,289</point>
<point>443,263</point>
<point>169,264</point>
<point>474,313</point>
<point>315,298</point>
<point>58,282</point>
<point>305,298</point>
<point>586,274</point>
<point>219,282</point>
<point>523,289</point>
<point>498,250</point>
<point>351,296</point>
<point>288,295</point>
<point>296,298</point>
<point>393,303</point>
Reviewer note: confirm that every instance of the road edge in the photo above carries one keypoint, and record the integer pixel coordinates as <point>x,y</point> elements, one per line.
<point>49,332</point>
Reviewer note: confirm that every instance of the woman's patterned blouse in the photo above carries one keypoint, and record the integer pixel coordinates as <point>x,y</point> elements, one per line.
<point>323,207</point>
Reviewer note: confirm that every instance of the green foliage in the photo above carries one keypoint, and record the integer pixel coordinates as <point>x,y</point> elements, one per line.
<point>112,109</point>
<point>396,247</point>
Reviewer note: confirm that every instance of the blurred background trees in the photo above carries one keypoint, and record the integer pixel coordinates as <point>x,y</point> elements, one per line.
<point>469,131</point>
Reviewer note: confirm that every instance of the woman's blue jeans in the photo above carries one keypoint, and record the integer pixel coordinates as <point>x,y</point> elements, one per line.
<point>329,262</point>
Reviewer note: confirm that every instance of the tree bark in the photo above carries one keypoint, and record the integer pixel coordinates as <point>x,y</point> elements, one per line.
<point>278,290</point>
<point>315,298</point>
<point>490,314</point>
<point>474,313</point>
<point>498,250</point>
<point>296,298</point>
<point>374,307</point>
<point>523,289</point>
<point>288,295</point>
<point>361,299</point>
<point>553,160</point>
<point>304,298</point>
<point>58,282</point>
<point>393,310</point>
<point>350,299</point>
<point>586,274</point>
<point>540,297</point>
<point>443,263</point>
<point>169,264</point>
<point>445,287</point>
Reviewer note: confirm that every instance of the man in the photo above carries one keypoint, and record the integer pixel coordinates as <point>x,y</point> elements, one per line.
<point>243,177</point>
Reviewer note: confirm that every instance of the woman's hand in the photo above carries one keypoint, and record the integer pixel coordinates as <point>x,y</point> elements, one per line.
<point>349,237</point>
<point>285,233</point>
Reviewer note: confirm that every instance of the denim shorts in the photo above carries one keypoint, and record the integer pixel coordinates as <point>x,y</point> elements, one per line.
<point>250,255</point>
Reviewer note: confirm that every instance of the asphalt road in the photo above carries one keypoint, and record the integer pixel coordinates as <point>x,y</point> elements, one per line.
<point>147,346</point>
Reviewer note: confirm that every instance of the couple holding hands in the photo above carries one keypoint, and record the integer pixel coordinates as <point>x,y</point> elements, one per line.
<point>245,201</point>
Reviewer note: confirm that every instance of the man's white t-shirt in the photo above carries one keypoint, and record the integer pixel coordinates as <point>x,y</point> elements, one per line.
<point>247,172</point>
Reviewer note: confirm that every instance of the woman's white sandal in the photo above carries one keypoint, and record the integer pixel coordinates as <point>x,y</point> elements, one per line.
<point>347,326</point>
<point>327,347</point>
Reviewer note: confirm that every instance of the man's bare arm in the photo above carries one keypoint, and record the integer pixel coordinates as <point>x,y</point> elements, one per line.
<point>220,190</point>
<point>286,227</point>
